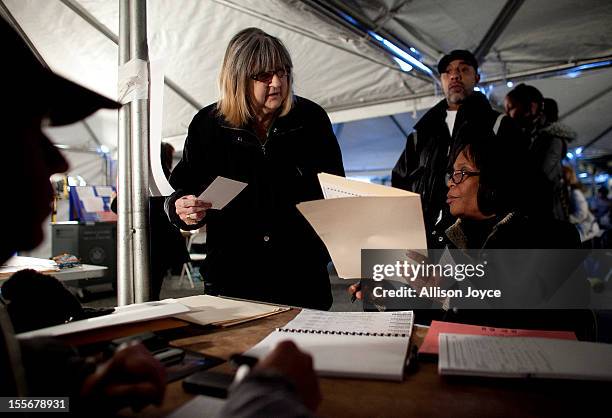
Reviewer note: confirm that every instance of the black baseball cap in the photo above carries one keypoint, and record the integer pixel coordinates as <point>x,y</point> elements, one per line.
<point>29,86</point>
<point>457,54</point>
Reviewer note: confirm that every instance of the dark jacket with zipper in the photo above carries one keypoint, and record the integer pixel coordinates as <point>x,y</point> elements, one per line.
<point>541,275</point>
<point>259,246</point>
<point>422,166</point>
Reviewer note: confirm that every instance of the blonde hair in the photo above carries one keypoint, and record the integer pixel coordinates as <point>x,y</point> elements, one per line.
<point>251,51</point>
<point>570,177</point>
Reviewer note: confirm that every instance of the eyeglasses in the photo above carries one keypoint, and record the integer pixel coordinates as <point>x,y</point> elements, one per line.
<point>266,76</point>
<point>457,176</point>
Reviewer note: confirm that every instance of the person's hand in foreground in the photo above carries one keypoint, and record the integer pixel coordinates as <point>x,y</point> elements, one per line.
<point>355,290</point>
<point>296,366</point>
<point>190,209</point>
<point>132,377</point>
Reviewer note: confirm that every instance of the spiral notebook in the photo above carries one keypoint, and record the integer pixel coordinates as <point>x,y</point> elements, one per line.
<point>367,345</point>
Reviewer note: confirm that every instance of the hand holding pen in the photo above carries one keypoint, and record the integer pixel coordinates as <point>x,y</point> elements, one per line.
<point>295,365</point>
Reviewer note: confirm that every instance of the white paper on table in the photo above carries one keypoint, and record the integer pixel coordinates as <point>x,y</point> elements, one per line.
<point>207,309</point>
<point>127,314</point>
<point>479,355</point>
<point>379,218</point>
<point>221,191</point>
<point>17,263</point>
<point>93,204</point>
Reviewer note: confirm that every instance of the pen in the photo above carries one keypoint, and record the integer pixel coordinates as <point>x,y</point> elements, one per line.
<point>240,359</point>
<point>244,363</point>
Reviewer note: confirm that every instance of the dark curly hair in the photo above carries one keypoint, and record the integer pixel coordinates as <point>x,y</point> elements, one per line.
<point>500,180</point>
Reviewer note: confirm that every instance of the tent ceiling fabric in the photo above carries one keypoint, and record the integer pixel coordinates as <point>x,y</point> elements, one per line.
<point>333,65</point>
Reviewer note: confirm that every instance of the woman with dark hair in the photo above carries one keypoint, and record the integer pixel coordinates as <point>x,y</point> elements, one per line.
<point>486,189</point>
<point>485,193</point>
<point>260,133</point>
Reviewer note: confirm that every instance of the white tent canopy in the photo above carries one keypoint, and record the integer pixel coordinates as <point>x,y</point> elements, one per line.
<point>335,64</point>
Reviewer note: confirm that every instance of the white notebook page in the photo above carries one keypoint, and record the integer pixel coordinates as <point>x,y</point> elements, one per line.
<point>337,348</point>
<point>524,356</point>
<point>354,322</point>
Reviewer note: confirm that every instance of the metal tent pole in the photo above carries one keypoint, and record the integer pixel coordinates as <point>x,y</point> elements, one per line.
<point>125,276</point>
<point>140,157</point>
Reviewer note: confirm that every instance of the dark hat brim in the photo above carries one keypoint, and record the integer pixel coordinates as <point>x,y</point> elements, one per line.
<point>34,89</point>
<point>68,102</point>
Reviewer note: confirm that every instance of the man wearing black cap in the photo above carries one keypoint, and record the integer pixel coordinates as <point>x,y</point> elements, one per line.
<point>423,164</point>
<point>282,384</point>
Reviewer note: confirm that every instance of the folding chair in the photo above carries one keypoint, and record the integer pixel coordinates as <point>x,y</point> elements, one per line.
<point>197,236</point>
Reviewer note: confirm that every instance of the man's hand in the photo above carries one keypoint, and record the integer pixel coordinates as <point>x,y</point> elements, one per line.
<point>354,290</point>
<point>296,366</point>
<point>132,377</point>
<point>190,209</point>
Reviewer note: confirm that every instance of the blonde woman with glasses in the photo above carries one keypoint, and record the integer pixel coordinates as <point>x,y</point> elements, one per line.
<point>260,133</point>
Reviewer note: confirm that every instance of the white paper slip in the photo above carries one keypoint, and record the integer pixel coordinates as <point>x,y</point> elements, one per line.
<point>128,314</point>
<point>476,355</point>
<point>221,191</point>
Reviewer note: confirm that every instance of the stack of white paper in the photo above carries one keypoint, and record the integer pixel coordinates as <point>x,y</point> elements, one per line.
<point>211,310</point>
<point>476,355</point>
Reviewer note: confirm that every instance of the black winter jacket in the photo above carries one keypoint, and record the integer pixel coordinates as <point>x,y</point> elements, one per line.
<point>259,246</point>
<point>548,148</point>
<point>423,164</point>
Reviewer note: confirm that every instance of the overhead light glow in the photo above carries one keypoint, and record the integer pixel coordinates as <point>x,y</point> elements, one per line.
<point>398,52</point>
<point>578,151</point>
<point>583,175</point>
<point>509,84</point>
<point>403,65</point>
<point>349,19</point>
<point>570,155</point>
<point>104,149</point>
<point>593,65</point>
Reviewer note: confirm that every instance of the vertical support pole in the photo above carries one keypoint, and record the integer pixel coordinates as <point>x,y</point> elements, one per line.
<point>125,277</point>
<point>140,158</point>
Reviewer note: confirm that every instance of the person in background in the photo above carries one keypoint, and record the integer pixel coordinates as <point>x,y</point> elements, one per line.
<point>549,139</point>
<point>426,157</point>
<point>283,384</point>
<point>601,205</point>
<point>259,246</point>
<point>579,214</point>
